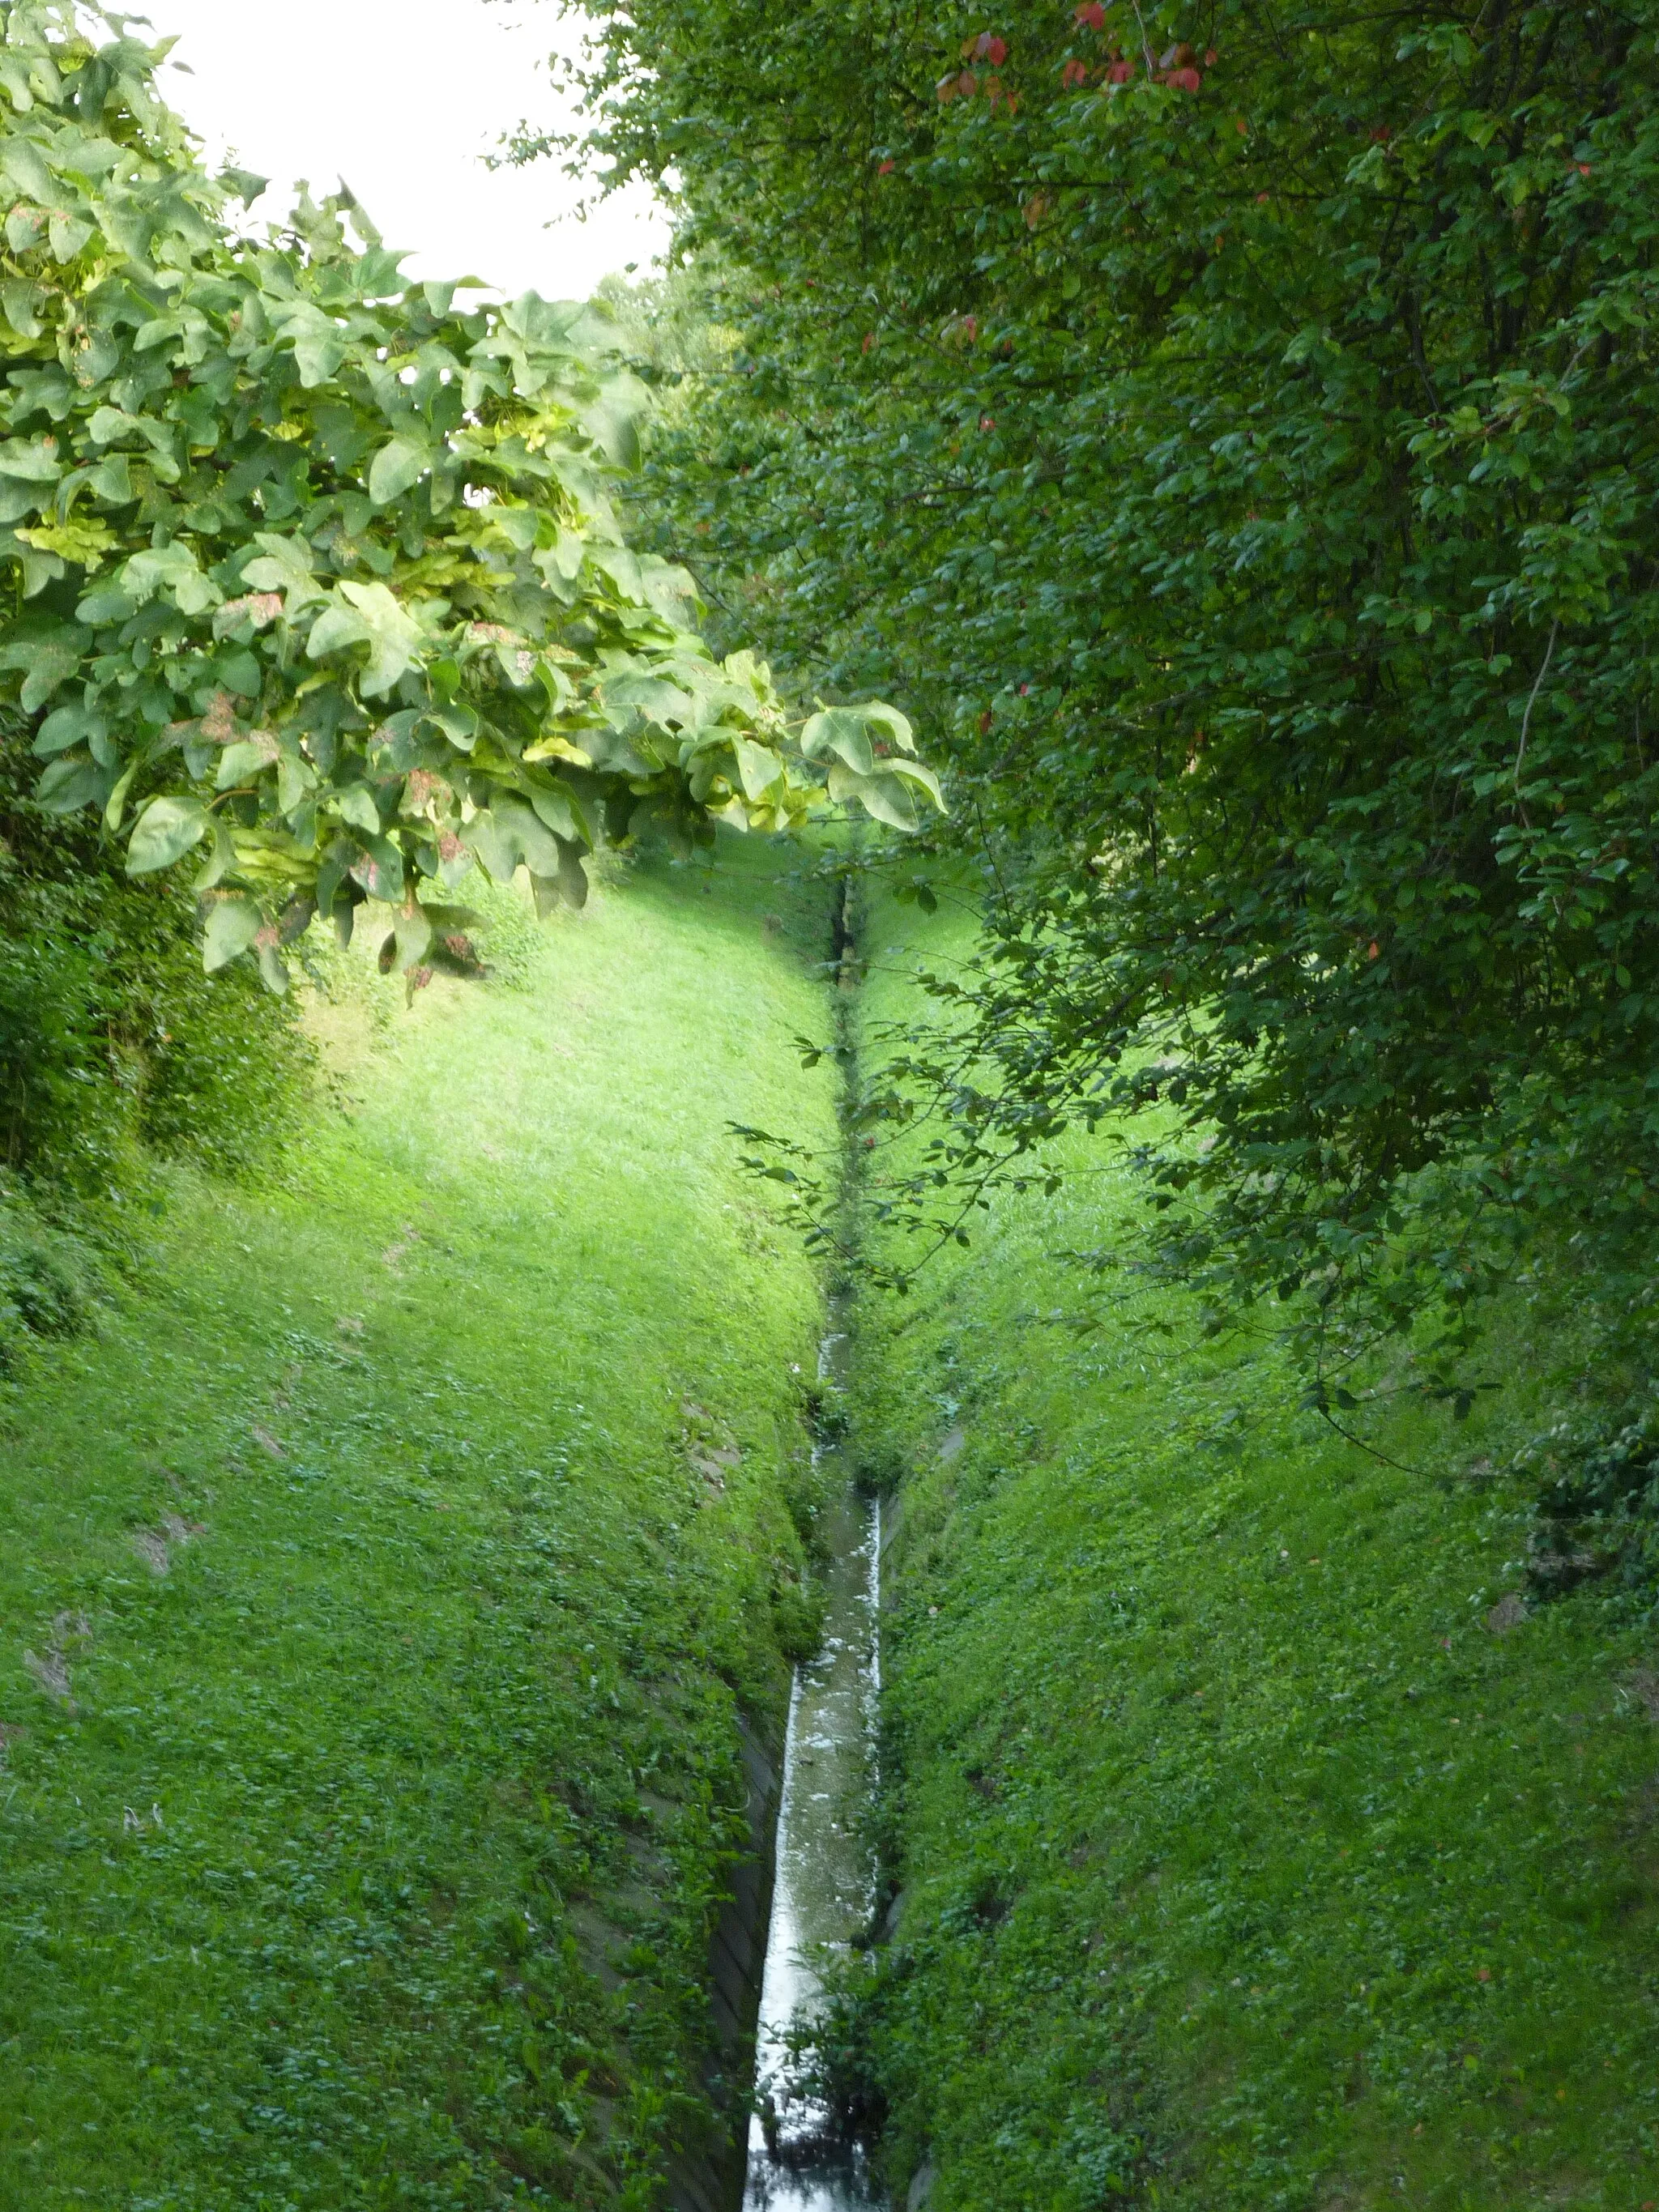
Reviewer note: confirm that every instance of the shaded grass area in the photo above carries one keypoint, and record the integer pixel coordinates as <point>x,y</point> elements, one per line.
<point>1252,1853</point>
<point>379,1590</point>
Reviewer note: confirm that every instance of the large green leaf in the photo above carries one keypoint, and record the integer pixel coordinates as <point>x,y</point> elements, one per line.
<point>50,663</point>
<point>412,929</point>
<point>394,637</point>
<point>356,805</point>
<point>634,696</point>
<point>397,467</point>
<point>66,785</point>
<point>68,234</point>
<point>336,629</point>
<point>285,565</point>
<point>379,867</point>
<point>25,164</point>
<point>166,831</point>
<point>508,836</point>
<point>34,459</point>
<point>68,726</point>
<point>174,569</point>
<point>555,808</point>
<point>894,798</point>
<point>843,732</point>
<point>231,925</point>
<point>762,771</point>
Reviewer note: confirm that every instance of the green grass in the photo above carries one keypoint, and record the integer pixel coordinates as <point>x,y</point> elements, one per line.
<point>1243,1864</point>
<point>374,1864</point>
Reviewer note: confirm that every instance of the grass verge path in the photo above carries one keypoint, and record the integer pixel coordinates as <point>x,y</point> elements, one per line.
<point>378,1592</point>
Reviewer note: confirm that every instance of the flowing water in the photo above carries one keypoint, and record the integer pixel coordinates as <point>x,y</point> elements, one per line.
<point>824,1893</point>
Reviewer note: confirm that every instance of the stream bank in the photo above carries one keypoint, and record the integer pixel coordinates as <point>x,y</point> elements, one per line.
<point>383,1588</point>
<point>1261,1842</point>
<point>823,1899</point>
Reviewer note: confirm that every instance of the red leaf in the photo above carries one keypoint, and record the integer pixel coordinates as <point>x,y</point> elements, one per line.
<point>1211,57</point>
<point>1119,73</point>
<point>1093,14</point>
<point>886,168</point>
<point>1185,80</point>
<point>967,84</point>
<point>997,53</point>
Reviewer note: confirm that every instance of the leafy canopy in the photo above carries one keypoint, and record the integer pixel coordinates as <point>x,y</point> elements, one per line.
<point>1247,422</point>
<point>318,578</point>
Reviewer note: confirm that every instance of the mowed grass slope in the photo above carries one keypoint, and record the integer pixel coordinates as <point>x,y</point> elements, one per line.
<point>374,1862</point>
<point>1245,1863</point>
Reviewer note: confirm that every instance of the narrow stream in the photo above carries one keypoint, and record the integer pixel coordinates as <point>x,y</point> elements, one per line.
<point>825,1886</point>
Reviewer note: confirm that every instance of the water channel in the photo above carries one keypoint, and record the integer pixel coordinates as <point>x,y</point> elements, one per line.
<point>824,1892</point>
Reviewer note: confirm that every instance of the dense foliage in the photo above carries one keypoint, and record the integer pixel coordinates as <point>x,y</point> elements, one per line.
<point>318,575</point>
<point>114,1048</point>
<point>111,1036</point>
<point>1237,425</point>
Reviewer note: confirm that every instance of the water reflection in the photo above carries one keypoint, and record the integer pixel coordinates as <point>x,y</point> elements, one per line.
<point>825,1886</point>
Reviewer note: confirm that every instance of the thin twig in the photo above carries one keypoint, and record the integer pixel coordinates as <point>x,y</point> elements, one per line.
<point>1145,43</point>
<point>1526,720</point>
<point>1359,1443</point>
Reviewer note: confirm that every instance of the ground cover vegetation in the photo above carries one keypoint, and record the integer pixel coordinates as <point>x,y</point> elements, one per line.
<point>1255,1836</point>
<point>383,1581</point>
<point>1233,427</point>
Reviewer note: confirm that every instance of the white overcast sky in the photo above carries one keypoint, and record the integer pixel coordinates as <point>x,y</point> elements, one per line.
<point>403,98</point>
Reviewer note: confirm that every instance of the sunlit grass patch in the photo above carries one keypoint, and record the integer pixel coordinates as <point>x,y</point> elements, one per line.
<point>378,1765</point>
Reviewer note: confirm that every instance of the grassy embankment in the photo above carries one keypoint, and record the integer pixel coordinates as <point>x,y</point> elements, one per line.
<point>1243,1862</point>
<point>393,1543</point>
